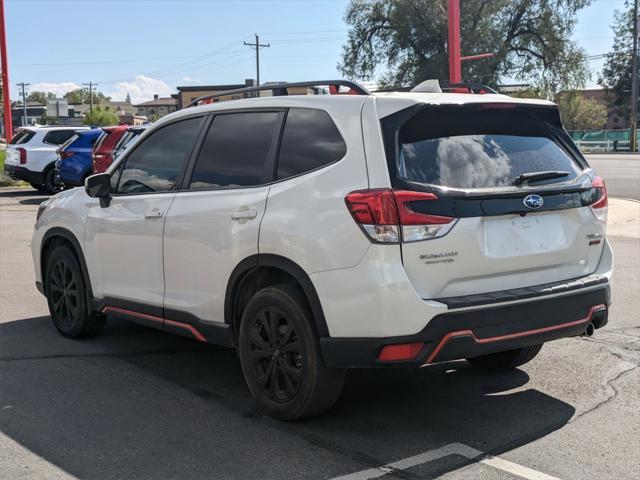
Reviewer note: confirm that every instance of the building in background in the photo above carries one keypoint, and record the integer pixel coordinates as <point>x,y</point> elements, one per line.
<point>615,120</point>
<point>156,108</point>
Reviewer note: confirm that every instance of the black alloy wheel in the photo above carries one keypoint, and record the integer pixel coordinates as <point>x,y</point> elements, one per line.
<point>67,295</point>
<point>276,354</point>
<point>280,354</point>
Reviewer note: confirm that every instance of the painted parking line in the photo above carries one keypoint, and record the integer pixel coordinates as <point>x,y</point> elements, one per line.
<point>450,449</point>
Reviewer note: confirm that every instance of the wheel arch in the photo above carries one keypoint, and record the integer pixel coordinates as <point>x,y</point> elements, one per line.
<point>275,263</point>
<point>52,238</point>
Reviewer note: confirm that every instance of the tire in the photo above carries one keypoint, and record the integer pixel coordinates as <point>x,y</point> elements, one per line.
<point>280,356</point>
<point>50,186</point>
<point>67,296</point>
<point>503,361</point>
<point>38,187</point>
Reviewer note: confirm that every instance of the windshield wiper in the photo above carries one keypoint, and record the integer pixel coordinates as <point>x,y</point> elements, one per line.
<point>538,176</point>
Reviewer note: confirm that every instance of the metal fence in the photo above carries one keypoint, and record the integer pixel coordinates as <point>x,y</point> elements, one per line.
<point>603,140</point>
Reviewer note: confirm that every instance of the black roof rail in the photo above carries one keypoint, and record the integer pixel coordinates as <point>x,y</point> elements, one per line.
<point>471,87</point>
<point>280,89</point>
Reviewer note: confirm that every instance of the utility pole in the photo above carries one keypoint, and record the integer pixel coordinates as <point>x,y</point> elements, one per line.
<point>90,85</point>
<point>634,81</point>
<point>24,102</point>
<point>8,127</point>
<point>257,46</point>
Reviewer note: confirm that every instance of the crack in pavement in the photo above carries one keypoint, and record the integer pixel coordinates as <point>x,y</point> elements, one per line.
<point>608,384</point>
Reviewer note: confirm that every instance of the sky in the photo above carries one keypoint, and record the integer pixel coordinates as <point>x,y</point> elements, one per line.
<point>147,47</point>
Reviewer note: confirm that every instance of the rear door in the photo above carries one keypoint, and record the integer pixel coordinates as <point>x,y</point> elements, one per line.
<point>491,219</point>
<point>215,224</point>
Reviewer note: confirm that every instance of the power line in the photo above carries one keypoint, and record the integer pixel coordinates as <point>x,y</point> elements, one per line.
<point>257,46</point>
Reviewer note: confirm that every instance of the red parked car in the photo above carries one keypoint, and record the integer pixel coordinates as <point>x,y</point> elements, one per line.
<point>103,150</point>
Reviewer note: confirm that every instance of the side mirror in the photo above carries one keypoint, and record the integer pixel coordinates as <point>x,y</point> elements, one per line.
<point>99,186</point>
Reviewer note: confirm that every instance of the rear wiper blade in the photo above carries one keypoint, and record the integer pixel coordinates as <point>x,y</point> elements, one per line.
<point>538,176</point>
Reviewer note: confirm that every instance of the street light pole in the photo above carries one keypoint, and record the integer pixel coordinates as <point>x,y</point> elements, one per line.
<point>634,81</point>
<point>8,127</point>
<point>24,102</point>
<point>455,62</point>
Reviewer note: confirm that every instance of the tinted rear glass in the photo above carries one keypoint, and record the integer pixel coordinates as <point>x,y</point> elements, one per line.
<point>310,140</point>
<point>238,151</point>
<point>477,148</point>
<point>58,137</point>
<point>23,136</point>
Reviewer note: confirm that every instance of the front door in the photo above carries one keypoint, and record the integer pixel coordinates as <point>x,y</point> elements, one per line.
<point>123,241</point>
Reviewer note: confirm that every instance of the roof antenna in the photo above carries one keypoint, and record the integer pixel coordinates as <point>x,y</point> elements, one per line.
<point>428,86</point>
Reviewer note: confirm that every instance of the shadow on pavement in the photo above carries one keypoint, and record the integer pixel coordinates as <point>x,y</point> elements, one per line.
<point>20,192</point>
<point>138,403</point>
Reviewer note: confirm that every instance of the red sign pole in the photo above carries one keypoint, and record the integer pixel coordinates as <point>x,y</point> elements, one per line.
<point>455,62</point>
<point>8,128</point>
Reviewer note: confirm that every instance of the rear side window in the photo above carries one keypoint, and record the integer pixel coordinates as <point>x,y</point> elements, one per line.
<point>480,148</point>
<point>156,164</point>
<point>310,141</point>
<point>23,136</point>
<point>58,137</point>
<point>238,151</point>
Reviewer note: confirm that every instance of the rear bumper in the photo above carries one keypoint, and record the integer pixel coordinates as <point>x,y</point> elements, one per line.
<point>22,173</point>
<point>470,332</point>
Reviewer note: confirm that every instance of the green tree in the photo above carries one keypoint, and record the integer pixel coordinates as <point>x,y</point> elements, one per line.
<point>101,117</point>
<point>81,95</point>
<point>404,42</point>
<point>40,97</point>
<point>616,74</point>
<point>579,113</point>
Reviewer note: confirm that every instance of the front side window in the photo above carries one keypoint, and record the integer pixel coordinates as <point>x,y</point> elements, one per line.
<point>476,148</point>
<point>310,141</point>
<point>157,163</point>
<point>238,151</point>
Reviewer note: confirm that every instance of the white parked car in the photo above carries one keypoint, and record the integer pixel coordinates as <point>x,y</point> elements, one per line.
<point>31,155</point>
<point>320,233</point>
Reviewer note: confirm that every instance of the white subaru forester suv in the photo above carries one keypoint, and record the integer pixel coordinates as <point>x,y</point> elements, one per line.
<point>316,233</point>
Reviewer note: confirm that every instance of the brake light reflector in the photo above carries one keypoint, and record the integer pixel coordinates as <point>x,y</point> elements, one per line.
<point>600,207</point>
<point>23,155</point>
<point>386,215</point>
<point>401,352</point>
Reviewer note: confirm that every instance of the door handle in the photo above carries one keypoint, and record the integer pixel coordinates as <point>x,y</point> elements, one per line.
<point>154,212</point>
<point>248,214</point>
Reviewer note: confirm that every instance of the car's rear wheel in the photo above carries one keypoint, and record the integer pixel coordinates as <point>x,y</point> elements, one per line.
<point>50,185</point>
<point>503,361</point>
<point>67,296</point>
<point>280,356</point>
<point>37,186</point>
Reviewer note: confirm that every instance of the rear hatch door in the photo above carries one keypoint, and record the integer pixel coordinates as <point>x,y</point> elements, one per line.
<point>512,193</point>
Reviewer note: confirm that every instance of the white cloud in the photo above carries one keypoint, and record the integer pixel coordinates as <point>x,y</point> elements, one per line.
<point>141,89</point>
<point>188,79</point>
<point>59,88</point>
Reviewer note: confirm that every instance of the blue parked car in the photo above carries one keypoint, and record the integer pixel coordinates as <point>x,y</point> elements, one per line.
<point>74,158</point>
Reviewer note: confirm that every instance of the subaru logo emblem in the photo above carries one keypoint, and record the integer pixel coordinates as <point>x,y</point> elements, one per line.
<point>533,201</point>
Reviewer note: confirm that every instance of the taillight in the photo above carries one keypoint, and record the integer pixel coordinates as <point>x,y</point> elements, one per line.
<point>600,207</point>
<point>386,215</point>
<point>66,154</point>
<point>23,155</point>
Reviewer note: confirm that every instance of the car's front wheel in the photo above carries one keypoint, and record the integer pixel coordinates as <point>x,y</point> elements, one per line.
<point>503,361</point>
<point>66,296</point>
<point>280,356</point>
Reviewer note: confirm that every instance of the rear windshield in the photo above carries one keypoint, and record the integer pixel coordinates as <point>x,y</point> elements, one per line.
<point>481,148</point>
<point>23,136</point>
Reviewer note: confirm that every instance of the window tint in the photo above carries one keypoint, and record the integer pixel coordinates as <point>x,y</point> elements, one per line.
<point>23,136</point>
<point>310,140</point>
<point>58,137</point>
<point>155,165</point>
<point>238,151</point>
<point>480,148</point>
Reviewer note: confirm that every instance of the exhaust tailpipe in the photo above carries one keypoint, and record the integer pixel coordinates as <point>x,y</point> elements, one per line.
<point>588,332</point>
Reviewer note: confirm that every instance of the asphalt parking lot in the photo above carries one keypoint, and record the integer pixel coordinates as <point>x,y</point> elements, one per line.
<point>139,403</point>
